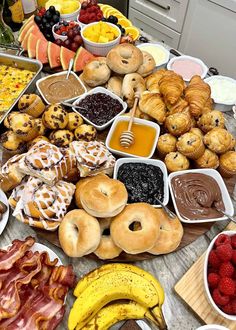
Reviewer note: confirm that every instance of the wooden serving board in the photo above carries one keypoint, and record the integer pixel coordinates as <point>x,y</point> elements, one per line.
<point>191,289</point>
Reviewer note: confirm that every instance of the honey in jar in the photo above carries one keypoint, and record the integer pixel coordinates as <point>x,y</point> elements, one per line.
<point>144,137</point>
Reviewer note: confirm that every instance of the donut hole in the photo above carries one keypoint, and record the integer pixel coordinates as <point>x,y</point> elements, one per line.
<point>106,232</point>
<point>135,226</point>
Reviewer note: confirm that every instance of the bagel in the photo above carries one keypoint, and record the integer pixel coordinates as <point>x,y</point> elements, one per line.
<point>133,83</point>
<point>148,65</point>
<point>171,233</point>
<point>114,85</point>
<point>107,248</point>
<point>124,58</point>
<point>96,72</point>
<point>79,233</point>
<point>103,197</point>
<point>146,228</point>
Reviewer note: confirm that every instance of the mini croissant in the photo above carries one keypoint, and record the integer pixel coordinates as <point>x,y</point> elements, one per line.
<point>171,87</point>
<point>153,105</point>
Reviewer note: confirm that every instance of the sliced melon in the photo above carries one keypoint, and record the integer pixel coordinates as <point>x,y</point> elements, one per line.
<point>65,56</point>
<point>24,29</point>
<point>82,57</point>
<point>31,45</point>
<point>53,55</point>
<point>41,51</point>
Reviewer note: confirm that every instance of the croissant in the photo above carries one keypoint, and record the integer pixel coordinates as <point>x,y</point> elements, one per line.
<point>171,87</point>
<point>152,81</point>
<point>153,105</point>
<point>179,106</point>
<point>197,94</point>
<point>208,106</point>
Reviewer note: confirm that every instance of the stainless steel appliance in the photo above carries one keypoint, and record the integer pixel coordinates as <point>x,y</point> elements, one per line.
<point>121,5</point>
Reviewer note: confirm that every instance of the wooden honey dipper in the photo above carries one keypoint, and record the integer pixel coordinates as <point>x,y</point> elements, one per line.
<point>127,137</point>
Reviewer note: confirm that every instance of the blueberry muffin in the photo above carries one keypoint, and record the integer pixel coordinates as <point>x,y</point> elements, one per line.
<point>166,143</point>
<point>209,159</point>
<point>61,138</point>
<point>31,104</point>
<point>219,140</point>
<point>38,138</point>
<point>75,120</point>
<point>196,131</point>
<point>175,161</point>
<point>11,143</point>
<point>41,128</point>
<point>210,120</point>
<point>190,145</point>
<point>23,125</point>
<point>85,132</point>
<point>178,123</point>
<point>55,117</point>
<point>228,164</point>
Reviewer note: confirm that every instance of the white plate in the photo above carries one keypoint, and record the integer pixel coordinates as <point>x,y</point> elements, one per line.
<point>224,192</point>
<point>5,216</point>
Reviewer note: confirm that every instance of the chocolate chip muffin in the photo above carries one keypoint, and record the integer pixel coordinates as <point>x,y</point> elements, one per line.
<point>75,120</point>
<point>41,128</point>
<point>175,161</point>
<point>85,132</point>
<point>23,125</point>
<point>55,117</point>
<point>61,138</point>
<point>31,104</point>
<point>211,120</point>
<point>11,143</point>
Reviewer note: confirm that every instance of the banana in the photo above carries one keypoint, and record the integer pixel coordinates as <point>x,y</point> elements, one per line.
<point>112,286</point>
<point>109,268</point>
<point>116,312</point>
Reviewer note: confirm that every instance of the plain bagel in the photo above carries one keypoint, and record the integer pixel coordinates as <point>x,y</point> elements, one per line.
<point>124,58</point>
<point>79,233</point>
<point>148,65</point>
<point>96,72</point>
<point>136,229</point>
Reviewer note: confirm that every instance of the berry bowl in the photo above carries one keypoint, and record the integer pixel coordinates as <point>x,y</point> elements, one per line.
<point>219,269</point>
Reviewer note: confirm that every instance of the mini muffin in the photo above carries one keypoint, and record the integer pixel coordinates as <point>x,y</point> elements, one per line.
<point>196,131</point>
<point>219,140</point>
<point>75,120</point>
<point>178,123</point>
<point>37,139</point>
<point>23,125</point>
<point>208,160</point>
<point>211,120</point>
<point>61,138</point>
<point>31,104</point>
<point>175,161</point>
<point>12,143</point>
<point>190,145</point>
<point>8,118</point>
<point>228,164</point>
<point>55,117</point>
<point>166,143</point>
<point>41,128</point>
<point>85,132</point>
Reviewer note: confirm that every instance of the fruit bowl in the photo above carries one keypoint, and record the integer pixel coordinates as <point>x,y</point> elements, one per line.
<point>205,276</point>
<point>62,36</point>
<point>65,9</point>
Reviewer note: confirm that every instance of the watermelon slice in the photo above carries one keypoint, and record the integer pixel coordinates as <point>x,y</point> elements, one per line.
<point>24,29</point>
<point>31,45</point>
<point>34,30</point>
<point>65,56</point>
<point>41,51</point>
<point>82,57</point>
<point>54,55</point>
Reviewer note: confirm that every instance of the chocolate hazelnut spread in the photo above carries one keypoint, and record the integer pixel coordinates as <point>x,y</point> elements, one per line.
<point>196,195</point>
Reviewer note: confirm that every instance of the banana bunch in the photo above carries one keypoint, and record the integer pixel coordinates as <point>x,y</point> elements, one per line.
<point>116,292</point>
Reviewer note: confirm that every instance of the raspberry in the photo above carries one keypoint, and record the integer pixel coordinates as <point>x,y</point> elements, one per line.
<point>224,252</point>
<point>226,269</point>
<point>234,257</point>
<point>213,259</point>
<point>222,239</point>
<point>228,309</point>
<point>92,16</point>
<point>226,286</point>
<point>233,304</point>
<point>99,16</point>
<point>213,280</point>
<point>233,241</point>
<point>219,298</point>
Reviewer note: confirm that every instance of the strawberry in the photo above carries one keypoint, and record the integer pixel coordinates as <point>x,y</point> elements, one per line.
<point>226,286</point>
<point>224,252</point>
<point>219,298</point>
<point>228,308</point>
<point>234,257</point>
<point>226,269</point>
<point>222,239</point>
<point>213,259</point>
<point>213,280</point>
<point>233,241</point>
<point>99,16</point>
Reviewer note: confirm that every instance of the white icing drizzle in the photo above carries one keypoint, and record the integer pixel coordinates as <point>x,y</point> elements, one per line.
<point>6,168</point>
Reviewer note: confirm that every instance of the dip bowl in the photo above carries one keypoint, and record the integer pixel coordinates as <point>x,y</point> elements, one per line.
<point>158,47</point>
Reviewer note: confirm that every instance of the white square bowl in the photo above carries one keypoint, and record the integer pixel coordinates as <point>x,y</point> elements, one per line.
<point>224,192</point>
<point>217,309</point>
<point>137,121</point>
<point>105,91</point>
<point>154,162</point>
<point>59,74</point>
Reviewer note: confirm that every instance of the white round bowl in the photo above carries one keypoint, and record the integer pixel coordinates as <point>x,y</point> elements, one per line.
<point>212,327</point>
<point>217,309</point>
<point>101,49</point>
<point>59,36</point>
<point>161,64</point>
<point>72,16</point>
<point>190,58</point>
<point>80,23</point>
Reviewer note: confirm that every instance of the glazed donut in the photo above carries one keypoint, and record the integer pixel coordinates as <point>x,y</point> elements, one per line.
<point>140,239</point>
<point>103,198</point>
<point>107,248</point>
<point>79,233</point>
<point>114,85</point>
<point>171,233</point>
<point>132,83</point>
<point>148,65</point>
<point>96,72</point>
<point>124,58</point>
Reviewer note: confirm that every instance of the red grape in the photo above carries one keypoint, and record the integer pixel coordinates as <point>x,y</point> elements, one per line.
<point>70,34</point>
<point>67,43</point>
<point>74,46</point>
<point>59,42</point>
<point>78,39</point>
